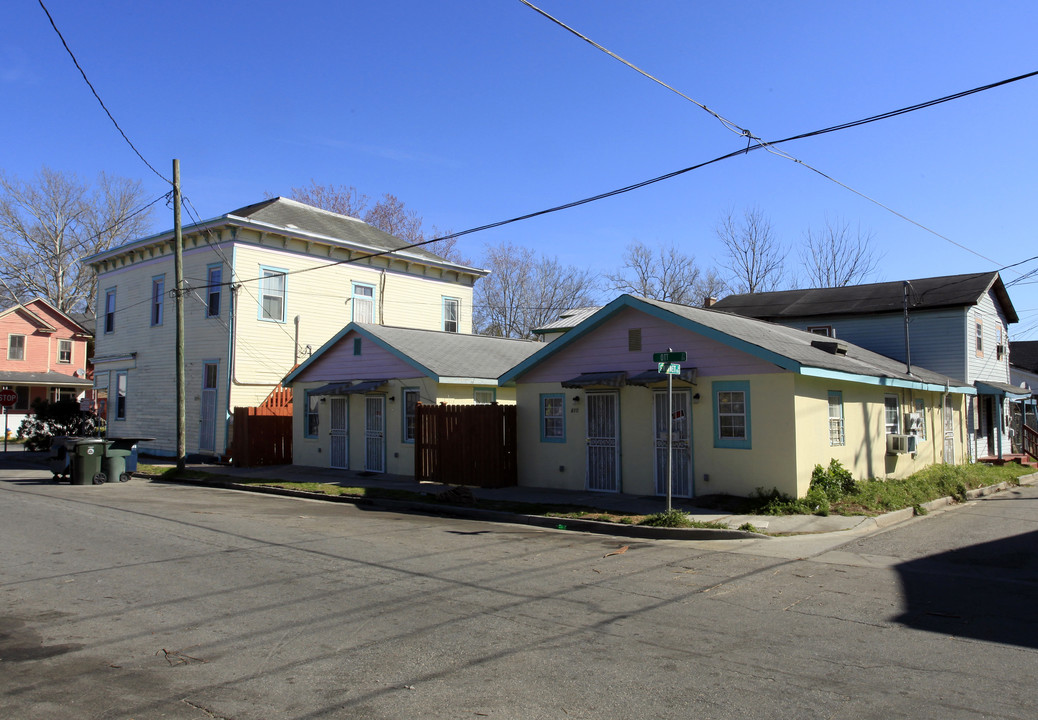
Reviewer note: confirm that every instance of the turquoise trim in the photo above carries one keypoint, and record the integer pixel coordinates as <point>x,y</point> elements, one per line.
<point>562,417</point>
<point>743,386</point>
<point>885,381</point>
<point>628,301</point>
<point>209,291</point>
<point>274,272</point>
<point>355,327</point>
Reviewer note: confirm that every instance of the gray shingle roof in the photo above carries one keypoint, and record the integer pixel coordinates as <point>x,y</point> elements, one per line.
<point>44,378</point>
<point>926,293</point>
<point>786,347</point>
<point>443,354</point>
<point>1024,354</point>
<point>292,217</point>
<point>454,354</point>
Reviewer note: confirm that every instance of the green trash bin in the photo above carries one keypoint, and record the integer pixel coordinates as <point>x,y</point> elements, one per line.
<point>116,453</point>
<point>86,461</point>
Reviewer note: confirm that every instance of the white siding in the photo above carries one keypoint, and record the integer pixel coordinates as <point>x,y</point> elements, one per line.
<point>264,352</point>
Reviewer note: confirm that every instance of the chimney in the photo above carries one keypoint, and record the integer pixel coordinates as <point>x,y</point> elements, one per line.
<point>709,301</point>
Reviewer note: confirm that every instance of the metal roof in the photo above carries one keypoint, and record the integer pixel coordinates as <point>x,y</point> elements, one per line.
<point>568,320</point>
<point>926,293</point>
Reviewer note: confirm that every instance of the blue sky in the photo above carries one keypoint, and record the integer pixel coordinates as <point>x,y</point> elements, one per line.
<point>478,111</point>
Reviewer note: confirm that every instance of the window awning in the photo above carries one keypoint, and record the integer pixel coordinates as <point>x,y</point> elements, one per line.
<point>1002,389</point>
<point>653,376</point>
<point>613,378</point>
<point>346,388</point>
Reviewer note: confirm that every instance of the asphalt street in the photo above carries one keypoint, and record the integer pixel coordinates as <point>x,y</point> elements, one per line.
<point>154,600</point>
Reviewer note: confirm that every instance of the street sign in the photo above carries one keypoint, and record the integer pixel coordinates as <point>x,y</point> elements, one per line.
<point>8,398</point>
<point>673,369</point>
<point>669,357</point>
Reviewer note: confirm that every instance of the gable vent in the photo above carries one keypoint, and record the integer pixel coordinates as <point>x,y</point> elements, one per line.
<point>634,339</point>
<point>833,347</point>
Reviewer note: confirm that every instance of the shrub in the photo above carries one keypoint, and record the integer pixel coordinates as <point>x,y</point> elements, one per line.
<point>834,482</point>
<point>49,420</point>
<point>673,518</point>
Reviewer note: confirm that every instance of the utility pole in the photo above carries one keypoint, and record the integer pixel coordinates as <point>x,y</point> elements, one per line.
<point>908,346</point>
<point>178,299</point>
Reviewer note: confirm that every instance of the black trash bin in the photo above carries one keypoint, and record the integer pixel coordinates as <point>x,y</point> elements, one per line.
<point>119,452</point>
<point>87,454</point>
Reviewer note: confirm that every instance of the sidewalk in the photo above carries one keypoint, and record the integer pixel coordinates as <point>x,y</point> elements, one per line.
<point>603,502</point>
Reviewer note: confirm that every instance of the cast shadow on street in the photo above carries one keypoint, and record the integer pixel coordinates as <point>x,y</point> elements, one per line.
<point>984,592</point>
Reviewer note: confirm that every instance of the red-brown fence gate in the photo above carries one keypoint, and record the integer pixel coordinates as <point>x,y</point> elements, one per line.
<point>263,435</point>
<point>466,445</point>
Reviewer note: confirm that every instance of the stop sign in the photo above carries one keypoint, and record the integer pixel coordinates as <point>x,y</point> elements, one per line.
<point>8,398</point>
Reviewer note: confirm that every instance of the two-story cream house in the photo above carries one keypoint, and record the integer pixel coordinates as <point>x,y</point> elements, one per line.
<point>267,285</point>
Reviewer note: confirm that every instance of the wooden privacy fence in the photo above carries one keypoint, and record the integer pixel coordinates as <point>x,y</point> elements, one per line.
<point>260,438</point>
<point>466,445</point>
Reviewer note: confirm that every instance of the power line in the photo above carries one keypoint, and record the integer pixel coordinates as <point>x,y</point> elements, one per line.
<point>90,85</point>
<point>742,132</point>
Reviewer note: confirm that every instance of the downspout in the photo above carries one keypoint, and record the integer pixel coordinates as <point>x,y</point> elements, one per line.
<point>908,345</point>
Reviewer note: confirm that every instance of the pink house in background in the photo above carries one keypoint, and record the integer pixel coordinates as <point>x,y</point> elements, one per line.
<point>45,356</point>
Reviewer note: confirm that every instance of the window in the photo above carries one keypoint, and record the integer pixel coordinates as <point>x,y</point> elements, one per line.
<point>213,283</point>
<point>451,312</point>
<point>120,395</point>
<point>158,290</point>
<point>836,431</point>
<point>891,414</point>
<point>553,418</point>
<point>15,347</point>
<point>634,339</point>
<point>357,346</point>
<point>110,310</point>
<point>918,426</point>
<point>272,295</point>
<point>65,351</point>
<point>484,396</point>
<point>363,303</point>
<point>410,428</point>
<point>826,330</point>
<point>732,414</point>
<point>312,421</point>
<point>979,325</point>
<point>63,393</point>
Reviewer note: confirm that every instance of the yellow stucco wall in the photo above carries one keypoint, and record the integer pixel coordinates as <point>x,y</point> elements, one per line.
<point>399,455</point>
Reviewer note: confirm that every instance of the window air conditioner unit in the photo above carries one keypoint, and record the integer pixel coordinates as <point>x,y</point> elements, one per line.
<point>897,444</point>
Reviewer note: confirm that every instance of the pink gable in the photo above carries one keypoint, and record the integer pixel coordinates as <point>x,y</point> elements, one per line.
<point>338,363</point>
<point>606,349</point>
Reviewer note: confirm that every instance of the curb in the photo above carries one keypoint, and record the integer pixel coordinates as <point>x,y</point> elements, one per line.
<point>565,524</point>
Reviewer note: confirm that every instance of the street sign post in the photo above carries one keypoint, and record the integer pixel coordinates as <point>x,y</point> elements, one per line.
<point>669,363</point>
<point>8,398</point>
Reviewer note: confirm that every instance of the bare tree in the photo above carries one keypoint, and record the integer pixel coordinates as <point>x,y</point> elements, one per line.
<point>709,285</point>
<point>389,214</point>
<point>524,291</point>
<point>49,224</point>
<point>836,255</point>
<point>754,256</point>
<point>334,198</point>
<point>666,274</point>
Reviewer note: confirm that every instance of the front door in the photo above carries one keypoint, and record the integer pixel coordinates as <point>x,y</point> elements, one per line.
<point>949,431</point>
<point>681,449</point>
<point>207,418</point>
<point>375,433</point>
<point>603,447</point>
<point>339,442</point>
